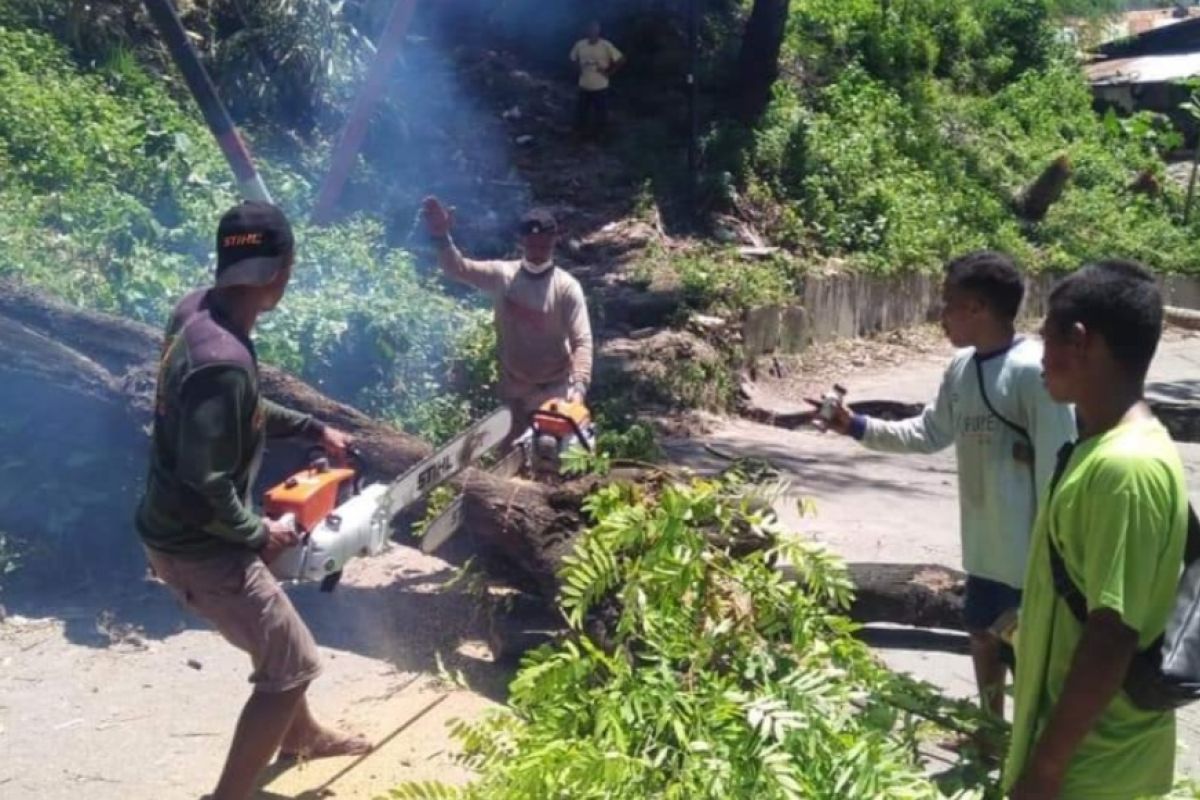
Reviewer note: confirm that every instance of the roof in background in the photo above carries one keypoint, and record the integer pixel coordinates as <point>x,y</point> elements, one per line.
<point>1135,23</point>
<point>1178,37</point>
<point>1120,27</point>
<point>1144,69</point>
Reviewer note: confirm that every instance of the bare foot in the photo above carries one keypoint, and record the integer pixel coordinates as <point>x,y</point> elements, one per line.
<point>328,744</point>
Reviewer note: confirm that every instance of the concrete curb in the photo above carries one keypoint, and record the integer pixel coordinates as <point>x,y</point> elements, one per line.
<point>1183,317</point>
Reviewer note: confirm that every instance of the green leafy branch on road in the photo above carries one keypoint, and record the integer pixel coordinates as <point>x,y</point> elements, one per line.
<point>715,677</point>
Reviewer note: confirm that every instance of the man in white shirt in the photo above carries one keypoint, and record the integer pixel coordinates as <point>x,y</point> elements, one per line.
<point>543,330</point>
<point>1006,430</point>
<point>598,60</point>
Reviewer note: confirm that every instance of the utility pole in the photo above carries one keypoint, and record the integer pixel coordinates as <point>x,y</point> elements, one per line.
<point>693,112</point>
<point>355,130</point>
<point>166,18</point>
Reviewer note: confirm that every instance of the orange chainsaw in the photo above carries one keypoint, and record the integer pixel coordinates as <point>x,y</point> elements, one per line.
<point>554,428</point>
<point>339,517</point>
<point>557,426</point>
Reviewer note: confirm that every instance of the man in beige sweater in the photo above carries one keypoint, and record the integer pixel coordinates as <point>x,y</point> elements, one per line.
<point>542,326</point>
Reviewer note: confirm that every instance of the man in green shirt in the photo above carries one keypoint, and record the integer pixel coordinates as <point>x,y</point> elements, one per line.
<point>202,537</point>
<point>1117,513</point>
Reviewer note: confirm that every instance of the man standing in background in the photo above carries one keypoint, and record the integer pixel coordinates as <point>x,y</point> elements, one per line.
<point>543,331</point>
<point>598,60</point>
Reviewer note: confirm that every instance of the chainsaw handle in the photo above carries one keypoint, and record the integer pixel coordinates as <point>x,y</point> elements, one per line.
<point>353,457</point>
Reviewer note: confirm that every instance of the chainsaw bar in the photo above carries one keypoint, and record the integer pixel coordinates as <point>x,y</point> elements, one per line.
<point>446,462</point>
<point>450,521</point>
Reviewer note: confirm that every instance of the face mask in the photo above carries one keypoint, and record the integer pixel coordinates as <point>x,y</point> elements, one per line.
<point>536,269</point>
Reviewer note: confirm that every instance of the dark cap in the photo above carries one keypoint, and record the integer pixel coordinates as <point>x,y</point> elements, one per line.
<point>538,220</point>
<point>254,242</point>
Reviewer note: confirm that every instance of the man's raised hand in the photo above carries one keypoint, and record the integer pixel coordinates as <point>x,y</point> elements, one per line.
<point>438,219</point>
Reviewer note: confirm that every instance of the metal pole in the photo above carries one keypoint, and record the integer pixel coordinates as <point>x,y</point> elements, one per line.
<point>250,184</point>
<point>356,125</point>
<point>693,111</point>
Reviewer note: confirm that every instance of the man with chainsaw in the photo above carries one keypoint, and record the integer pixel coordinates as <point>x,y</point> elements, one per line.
<point>543,330</point>
<point>201,536</point>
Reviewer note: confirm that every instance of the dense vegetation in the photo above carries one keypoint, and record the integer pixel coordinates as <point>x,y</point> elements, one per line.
<point>900,133</point>
<point>110,191</point>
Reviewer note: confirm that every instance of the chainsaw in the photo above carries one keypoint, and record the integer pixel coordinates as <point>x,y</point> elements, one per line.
<point>556,427</point>
<point>340,518</point>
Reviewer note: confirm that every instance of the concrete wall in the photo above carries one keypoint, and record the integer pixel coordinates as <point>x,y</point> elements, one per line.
<point>846,305</point>
<point>1182,291</point>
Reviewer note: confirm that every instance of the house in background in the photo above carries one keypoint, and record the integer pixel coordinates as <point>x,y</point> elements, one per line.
<point>1143,72</point>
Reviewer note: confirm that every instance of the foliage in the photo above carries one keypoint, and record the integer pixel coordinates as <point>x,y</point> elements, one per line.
<point>288,61</point>
<point>717,677</point>
<point>633,444</point>
<point>719,280</point>
<point>905,130</point>
<point>110,193</point>
<point>439,500</point>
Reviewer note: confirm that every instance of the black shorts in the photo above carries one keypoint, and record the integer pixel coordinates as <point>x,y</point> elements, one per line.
<point>986,600</point>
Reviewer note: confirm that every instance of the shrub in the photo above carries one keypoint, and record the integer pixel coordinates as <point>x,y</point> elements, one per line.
<point>904,136</point>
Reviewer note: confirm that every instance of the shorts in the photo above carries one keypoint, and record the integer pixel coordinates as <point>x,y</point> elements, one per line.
<point>986,600</point>
<point>237,594</point>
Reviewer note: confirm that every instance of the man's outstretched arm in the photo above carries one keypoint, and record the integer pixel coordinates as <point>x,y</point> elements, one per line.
<point>929,432</point>
<point>486,276</point>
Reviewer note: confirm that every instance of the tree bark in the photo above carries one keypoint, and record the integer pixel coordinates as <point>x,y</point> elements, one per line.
<point>758,61</point>
<point>921,595</point>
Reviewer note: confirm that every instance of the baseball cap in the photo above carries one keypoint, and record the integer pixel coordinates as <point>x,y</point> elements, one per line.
<point>538,220</point>
<point>254,241</point>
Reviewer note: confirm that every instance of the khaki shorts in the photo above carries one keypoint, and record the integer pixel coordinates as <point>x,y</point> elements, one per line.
<point>243,601</point>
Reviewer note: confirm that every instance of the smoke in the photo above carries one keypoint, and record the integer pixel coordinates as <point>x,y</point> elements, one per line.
<point>441,129</point>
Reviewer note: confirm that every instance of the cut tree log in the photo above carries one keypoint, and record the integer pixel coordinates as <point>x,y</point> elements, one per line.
<point>921,595</point>
<point>1183,317</point>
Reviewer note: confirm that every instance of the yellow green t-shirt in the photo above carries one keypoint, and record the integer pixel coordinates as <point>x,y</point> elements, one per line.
<point>1119,518</point>
<point>594,61</point>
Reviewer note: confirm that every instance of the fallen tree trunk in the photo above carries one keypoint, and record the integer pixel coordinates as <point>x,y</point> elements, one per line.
<point>101,356</point>
<point>921,595</point>
<point>74,377</point>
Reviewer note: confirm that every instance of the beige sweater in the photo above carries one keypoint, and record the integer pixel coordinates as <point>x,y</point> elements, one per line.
<point>542,323</point>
